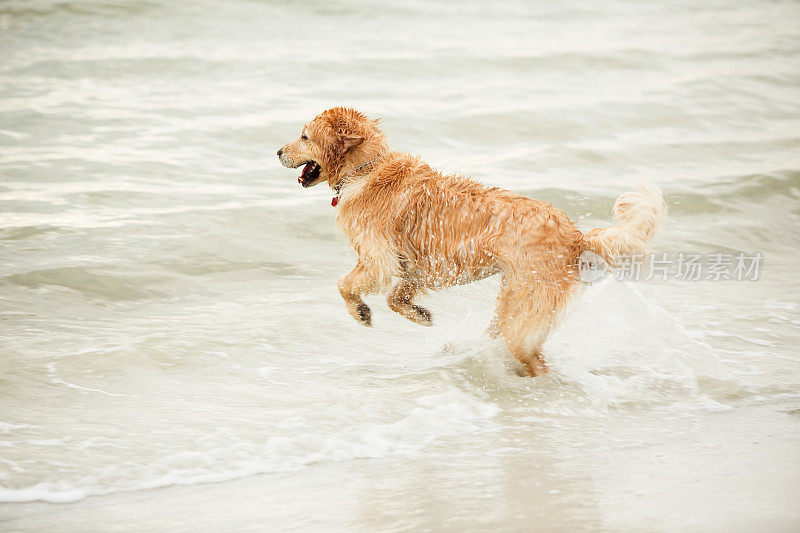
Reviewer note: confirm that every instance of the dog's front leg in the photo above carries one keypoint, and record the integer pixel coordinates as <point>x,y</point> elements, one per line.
<point>400,301</point>
<point>361,280</point>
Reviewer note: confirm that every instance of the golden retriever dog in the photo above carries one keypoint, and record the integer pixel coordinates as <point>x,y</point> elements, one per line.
<point>428,230</point>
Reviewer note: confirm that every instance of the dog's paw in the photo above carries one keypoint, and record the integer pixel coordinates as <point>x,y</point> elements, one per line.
<point>364,314</point>
<point>424,317</point>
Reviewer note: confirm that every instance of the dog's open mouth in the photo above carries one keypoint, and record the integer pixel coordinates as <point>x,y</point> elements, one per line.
<point>309,175</point>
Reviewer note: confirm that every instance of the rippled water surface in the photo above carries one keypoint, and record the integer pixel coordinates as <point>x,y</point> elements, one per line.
<point>174,351</point>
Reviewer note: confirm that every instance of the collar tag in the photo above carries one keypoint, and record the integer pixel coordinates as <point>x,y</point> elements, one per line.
<point>338,188</point>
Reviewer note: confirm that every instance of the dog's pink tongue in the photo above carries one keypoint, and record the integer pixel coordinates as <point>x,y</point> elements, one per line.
<point>305,171</point>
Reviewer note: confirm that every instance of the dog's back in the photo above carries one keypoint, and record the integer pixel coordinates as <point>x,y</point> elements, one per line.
<point>446,229</point>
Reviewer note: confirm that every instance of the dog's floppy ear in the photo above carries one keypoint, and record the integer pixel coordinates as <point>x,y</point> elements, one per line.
<point>338,144</point>
<point>349,140</point>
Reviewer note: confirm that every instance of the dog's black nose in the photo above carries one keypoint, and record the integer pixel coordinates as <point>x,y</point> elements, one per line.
<point>280,152</point>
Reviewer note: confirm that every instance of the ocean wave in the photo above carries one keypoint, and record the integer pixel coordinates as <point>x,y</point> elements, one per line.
<point>434,416</point>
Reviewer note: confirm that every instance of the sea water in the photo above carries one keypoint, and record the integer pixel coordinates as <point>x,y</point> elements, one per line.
<point>174,351</point>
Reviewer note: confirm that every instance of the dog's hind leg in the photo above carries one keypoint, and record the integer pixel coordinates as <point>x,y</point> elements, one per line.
<point>524,319</point>
<point>528,350</point>
<point>399,301</point>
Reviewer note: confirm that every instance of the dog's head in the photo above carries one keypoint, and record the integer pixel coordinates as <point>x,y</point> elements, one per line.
<point>327,143</point>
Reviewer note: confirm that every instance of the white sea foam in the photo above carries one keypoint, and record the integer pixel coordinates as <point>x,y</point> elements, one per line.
<point>432,417</point>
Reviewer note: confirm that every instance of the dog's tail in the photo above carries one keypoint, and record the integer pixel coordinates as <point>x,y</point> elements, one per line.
<point>639,213</point>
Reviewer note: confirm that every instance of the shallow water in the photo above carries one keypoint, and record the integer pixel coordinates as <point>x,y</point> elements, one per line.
<point>168,292</point>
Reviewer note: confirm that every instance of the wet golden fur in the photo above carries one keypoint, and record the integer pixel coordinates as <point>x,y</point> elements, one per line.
<point>428,230</point>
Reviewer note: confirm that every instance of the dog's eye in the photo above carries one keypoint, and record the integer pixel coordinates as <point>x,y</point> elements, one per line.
<point>304,137</point>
